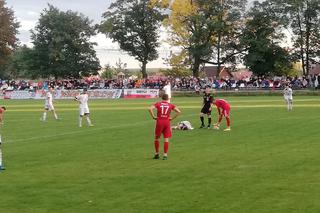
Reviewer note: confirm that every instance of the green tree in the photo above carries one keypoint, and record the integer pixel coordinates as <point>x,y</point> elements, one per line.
<point>209,30</point>
<point>261,37</point>
<point>226,24</point>
<point>8,34</point>
<point>20,62</point>
<point>62,46</point>
<point>188,24</point>
<point>303,18</point>
<point>108,72</point>
<point>134,24</point>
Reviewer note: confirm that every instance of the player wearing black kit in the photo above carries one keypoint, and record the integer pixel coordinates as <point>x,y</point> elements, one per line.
<point>206,107</point>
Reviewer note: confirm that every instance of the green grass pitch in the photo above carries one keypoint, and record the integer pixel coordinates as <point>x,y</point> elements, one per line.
<point>269,162</point>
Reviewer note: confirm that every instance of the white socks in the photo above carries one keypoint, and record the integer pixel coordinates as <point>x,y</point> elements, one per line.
<point>89,121</point>
<point>44,116</point>
<point>55,116</point>
<point>80,121</point>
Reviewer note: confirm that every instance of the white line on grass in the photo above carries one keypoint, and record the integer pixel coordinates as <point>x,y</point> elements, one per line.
<point>182,107</point>
<point>94,129</point>
<point>87,131</point>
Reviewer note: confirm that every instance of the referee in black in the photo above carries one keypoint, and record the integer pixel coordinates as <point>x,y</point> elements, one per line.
<point>206,107</point>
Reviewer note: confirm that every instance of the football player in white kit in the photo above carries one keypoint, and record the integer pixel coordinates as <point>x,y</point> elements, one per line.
<point>287,94</point>
<point>83,107</point>
<point>167,90</point>
<point>48,105</point>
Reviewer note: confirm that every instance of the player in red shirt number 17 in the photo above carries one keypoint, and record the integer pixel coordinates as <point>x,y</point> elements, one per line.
<point>163,126</point>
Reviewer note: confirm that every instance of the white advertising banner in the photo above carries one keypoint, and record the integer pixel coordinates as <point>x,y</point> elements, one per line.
<point>93,94</point>
<point>63,94</point>
<point>141,93</point>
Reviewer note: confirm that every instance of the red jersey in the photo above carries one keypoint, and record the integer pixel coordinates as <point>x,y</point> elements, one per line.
<point>163,110</point>
<point>221,103</point>
<point>1,110</point>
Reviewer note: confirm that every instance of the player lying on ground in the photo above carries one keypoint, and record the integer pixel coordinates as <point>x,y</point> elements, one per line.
<point>48,105</point>
<point>183,125</point>
<point>287,95</point>
<point>83,107</point>
<point>206,107</point>
<point>163,126</point>
<point>224,111</point>
<point>2,110</point>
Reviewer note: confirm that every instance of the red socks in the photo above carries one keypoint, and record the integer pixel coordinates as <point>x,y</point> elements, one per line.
<point>157,146</point>
<point>228,122</point>
<point>166,147</point>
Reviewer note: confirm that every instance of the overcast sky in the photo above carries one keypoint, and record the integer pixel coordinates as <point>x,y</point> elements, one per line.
<point>28,12</point>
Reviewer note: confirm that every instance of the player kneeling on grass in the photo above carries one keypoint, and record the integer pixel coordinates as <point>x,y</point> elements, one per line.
<point>206,107</point>
<point>183,125</point>
<point>48,106</point>
<point>163,119</point>
<point>224,111</point>
<point>83,107</point>
<point>2,110</point>
<point>287,95</point>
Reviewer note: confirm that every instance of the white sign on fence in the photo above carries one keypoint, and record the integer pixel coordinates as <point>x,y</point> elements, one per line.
<point>63,94</point>
<point>141,93</point>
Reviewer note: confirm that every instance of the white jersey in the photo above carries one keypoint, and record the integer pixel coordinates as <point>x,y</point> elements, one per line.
<point>287,93</point>
<point>49,101</point>
<point>167,90</point>
<point>83,104</point>
<point>185,125</point>
<point>48,98</point>
<point>83,100</point>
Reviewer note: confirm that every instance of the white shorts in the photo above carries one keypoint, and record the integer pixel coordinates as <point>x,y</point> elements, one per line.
<point>287,99</point>
<point>48,107</point>
<point>84,110</point>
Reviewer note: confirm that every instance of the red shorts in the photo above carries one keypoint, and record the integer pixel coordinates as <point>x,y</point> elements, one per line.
<point>163,127</point>
<point>226,112</point>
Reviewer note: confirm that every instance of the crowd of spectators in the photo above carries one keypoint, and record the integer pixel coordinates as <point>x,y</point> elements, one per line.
<point>185,83</point>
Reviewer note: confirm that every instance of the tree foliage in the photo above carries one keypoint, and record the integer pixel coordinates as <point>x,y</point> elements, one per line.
<point>62,46</point>
<point>226,24</point>
<point>21,64</point>
<point>303,18</point>
<point>189,30</point>
<point>134,24</point>
<point>8,34</point>
<point>262,37</point>
<point>109,72</point>
<point>209,30</point>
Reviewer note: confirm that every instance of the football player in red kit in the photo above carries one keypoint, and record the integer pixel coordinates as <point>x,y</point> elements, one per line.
<point>163,126</point>
<point>224,111</point>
